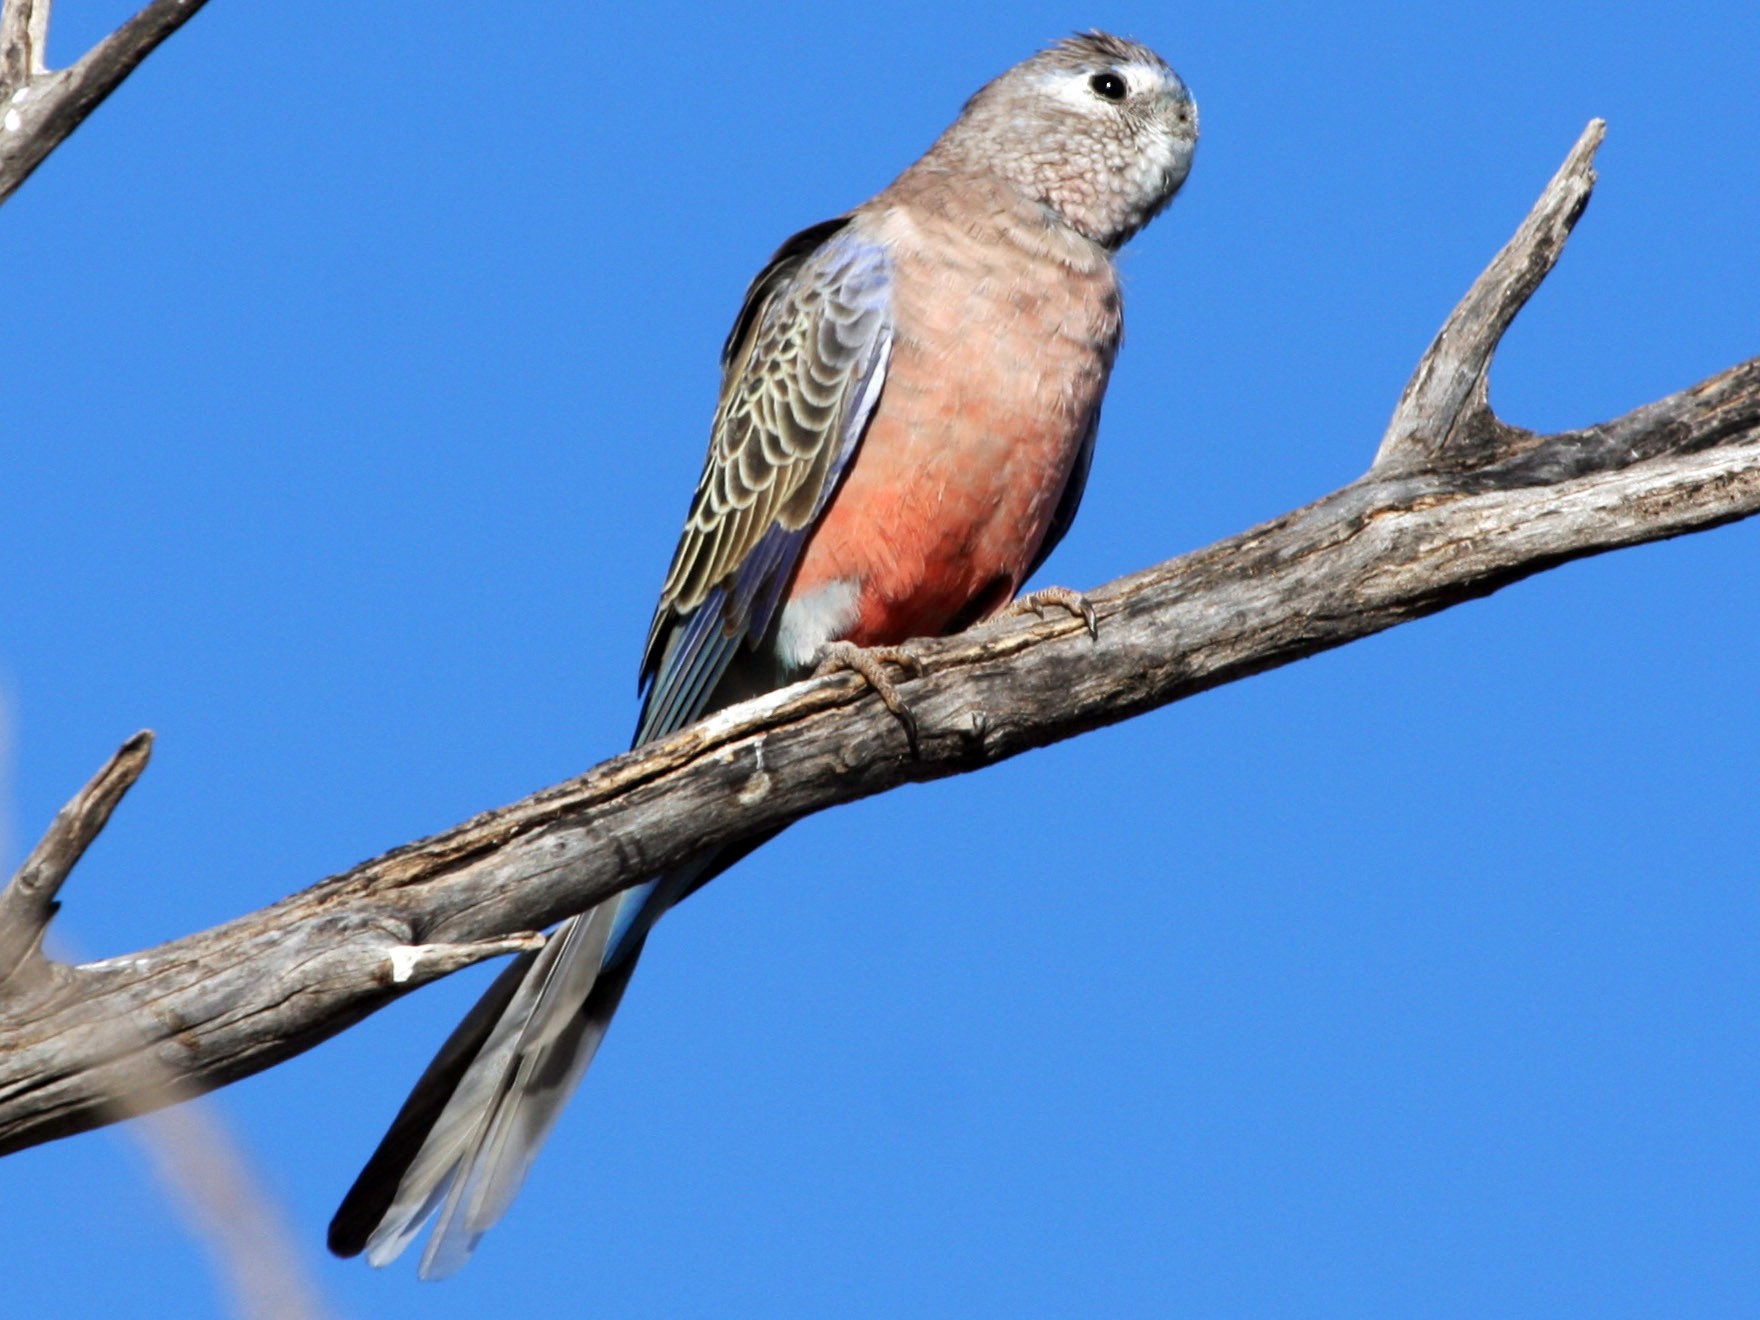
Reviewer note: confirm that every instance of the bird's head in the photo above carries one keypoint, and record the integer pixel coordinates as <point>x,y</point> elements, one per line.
<point>1098,129</point>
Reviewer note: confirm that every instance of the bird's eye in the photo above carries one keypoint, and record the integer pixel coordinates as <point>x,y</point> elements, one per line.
<point>1108,86</point>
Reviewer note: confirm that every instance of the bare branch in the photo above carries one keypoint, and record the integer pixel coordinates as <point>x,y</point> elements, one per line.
<point>24,39</point>
<point>28,903</point>
<point>1446,516</point>
<point>1444,416</point>
<point>255,1255</point>
<point>208,1178</point>
<point>42,108</point>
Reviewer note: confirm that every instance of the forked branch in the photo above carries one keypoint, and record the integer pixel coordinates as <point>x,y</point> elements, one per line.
<point>1457,505</point>
<point>1444,417</point>
<point>28,902</point>
<point>39,107</point>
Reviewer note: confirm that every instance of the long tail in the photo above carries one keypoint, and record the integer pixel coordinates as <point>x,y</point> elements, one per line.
<point>466,1137</point>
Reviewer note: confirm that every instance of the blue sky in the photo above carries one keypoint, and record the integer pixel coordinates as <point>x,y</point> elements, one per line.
<point>358,362</point>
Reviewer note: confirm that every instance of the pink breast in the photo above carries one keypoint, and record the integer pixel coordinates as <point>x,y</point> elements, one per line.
<point>986,402</point>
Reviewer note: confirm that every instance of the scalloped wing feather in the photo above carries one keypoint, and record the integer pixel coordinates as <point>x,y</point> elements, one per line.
<point>802,374</point>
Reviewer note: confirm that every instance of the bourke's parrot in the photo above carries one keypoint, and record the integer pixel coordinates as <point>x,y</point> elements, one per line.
<point>908,405</point>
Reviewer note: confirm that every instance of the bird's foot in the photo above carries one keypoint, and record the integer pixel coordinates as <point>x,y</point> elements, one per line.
<point>837,657</point>
<point>1037,602</point>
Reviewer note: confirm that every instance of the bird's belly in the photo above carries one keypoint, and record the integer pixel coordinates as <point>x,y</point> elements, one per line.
<point>1000,356</point>
<point>952,493</point>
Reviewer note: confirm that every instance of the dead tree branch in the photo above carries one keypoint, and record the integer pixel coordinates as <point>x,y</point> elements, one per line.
<point>1457,505</point>
<point>28,903</point>
<point>39,106</point>
<point>254,1254</point>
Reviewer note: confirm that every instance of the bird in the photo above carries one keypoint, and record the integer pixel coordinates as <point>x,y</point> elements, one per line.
<point>909,402</point>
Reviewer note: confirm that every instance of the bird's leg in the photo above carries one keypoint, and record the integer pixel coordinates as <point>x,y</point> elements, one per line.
<point>1037,602</point>
<point>835,657</point>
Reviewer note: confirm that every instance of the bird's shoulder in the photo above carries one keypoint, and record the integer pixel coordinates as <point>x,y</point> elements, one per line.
<point>777,273</point>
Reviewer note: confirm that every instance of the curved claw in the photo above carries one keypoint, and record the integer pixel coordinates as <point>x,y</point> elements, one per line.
<point>1037,602</point>
<point>836,657</point>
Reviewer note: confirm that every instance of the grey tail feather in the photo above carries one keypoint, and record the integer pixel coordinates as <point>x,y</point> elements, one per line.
<point>376,1187</point>
<point>466,1137</point>
<point>525,1112</point>
<point>479,1113</point>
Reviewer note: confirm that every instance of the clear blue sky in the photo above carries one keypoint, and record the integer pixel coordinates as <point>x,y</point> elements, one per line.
<point>357,366</point>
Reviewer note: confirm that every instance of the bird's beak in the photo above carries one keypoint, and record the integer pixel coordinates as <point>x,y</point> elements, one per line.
<point>1181,112</point>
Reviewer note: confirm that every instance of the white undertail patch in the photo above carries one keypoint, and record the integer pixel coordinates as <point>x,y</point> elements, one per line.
<point>810,621</point>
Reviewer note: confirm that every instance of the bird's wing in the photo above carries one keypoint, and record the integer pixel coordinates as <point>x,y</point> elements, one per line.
<point>801,373</point>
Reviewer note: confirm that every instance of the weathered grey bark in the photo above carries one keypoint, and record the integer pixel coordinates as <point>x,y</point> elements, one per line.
<point>28,903</point>
<point>1457,505</point>
<point>39,106</point>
